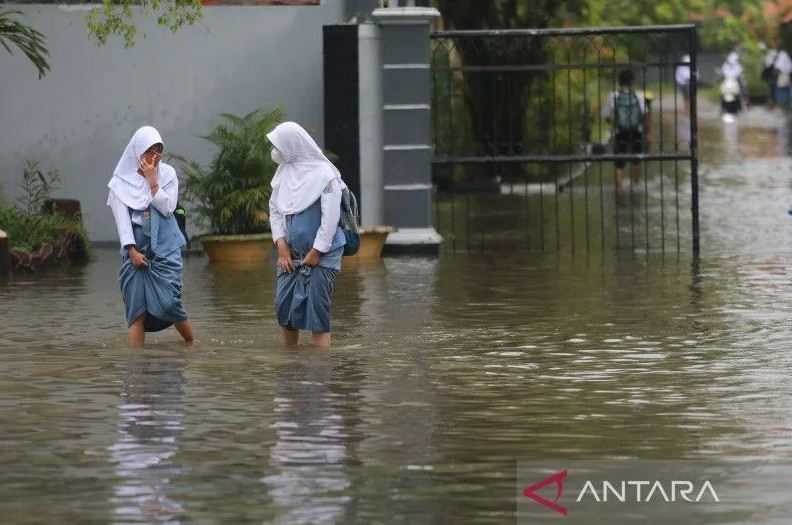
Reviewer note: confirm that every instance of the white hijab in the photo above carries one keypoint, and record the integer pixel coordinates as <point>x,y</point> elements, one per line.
<point>304,172</point>
<point>732,68</point>
<point>127,184</point>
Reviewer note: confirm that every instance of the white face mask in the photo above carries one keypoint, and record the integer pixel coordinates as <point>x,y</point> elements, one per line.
<point>277,158</point>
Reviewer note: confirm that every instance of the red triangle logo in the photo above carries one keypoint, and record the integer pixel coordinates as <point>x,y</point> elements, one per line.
<point>556,479</point>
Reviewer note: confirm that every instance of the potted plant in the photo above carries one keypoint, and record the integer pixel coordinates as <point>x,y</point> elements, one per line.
<point>232,193</point>
<point>36,233</point>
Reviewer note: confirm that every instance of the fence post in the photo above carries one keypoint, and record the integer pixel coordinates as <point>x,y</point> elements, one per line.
<point>694,179</point>
<point>407,127</point>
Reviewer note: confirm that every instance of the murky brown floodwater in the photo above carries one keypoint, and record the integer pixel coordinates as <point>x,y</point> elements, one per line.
<point>444,373</point>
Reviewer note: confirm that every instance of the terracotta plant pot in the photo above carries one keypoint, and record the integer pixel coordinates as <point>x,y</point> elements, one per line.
<point>372,241</point>
<point>251,249</point>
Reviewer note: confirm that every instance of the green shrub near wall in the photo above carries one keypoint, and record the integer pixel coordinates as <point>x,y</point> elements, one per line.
<point>30,232</point>
<point>36,237</point>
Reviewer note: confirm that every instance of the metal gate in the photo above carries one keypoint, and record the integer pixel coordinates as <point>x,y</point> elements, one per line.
<point>525,139</point>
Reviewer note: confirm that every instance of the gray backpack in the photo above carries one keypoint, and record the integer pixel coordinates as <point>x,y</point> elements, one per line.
<point>349,222</point>
<point>627,108</point>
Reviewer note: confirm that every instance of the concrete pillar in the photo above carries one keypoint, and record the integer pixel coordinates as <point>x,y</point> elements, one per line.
<point>407,125</point>
<point>370,118</point>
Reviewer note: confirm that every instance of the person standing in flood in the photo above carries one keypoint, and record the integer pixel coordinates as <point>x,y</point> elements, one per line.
<point>777,72</point>
<point>143,196</point>
<point>305,209</point>
<point>682,77</point>
<point>627,111</point>
<point>732,88</point>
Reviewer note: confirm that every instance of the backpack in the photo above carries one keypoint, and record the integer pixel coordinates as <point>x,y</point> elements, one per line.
<point>770,73</point>
<point>627,108</point>
<point>349,222</point>
<point>181,220</point>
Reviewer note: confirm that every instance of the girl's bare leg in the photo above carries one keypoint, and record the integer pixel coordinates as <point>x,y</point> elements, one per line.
<point>321,339</point>
<point>185,330</point>
<point>137,333</point>
<point>290,337</point>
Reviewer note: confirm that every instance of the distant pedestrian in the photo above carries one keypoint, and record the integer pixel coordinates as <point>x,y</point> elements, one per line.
<point>732,88</point>
<point>628,114</point>
<point>776,73</point>
<point>682,77</point>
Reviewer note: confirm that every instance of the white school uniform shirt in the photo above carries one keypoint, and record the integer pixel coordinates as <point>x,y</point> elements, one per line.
<point>731,68</point>
<point>783,63</point>
<point>164,201</point>
<point>130,190</point>
<point>304,175</point>
<point>682,75</point>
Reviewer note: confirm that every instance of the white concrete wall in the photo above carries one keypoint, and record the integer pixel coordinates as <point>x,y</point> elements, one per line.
<point>81,115</point>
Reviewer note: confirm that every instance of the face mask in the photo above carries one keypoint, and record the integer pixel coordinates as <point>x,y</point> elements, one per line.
<point>277,158</point>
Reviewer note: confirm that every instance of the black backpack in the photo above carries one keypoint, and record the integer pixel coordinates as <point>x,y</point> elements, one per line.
<point>770,73</point>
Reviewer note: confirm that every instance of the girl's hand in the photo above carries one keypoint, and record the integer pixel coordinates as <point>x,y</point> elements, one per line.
<point>148,167</point>
<point>284,256</point>
<point>139,260</point>
<point>312,258</point>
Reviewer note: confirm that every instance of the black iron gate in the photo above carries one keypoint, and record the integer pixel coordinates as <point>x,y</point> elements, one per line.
<point>525,139</point>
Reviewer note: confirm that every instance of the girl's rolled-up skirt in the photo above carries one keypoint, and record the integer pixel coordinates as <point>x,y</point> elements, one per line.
<point>304,297</point>
<point>156,290</point>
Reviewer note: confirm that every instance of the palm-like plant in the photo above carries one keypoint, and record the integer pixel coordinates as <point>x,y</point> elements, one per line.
<point>233,192</point>
<point>32,43</point>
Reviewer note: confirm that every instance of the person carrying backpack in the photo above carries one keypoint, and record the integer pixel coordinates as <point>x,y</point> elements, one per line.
<point>627,112</point>
<point>777,73</point>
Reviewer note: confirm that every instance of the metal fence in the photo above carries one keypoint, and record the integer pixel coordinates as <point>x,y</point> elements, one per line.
<point>525,139</point>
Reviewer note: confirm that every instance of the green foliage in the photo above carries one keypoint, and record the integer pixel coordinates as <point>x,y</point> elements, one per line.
<point>33,44</point>
<point>36,187</point>
<point>28,228</point>
<point>29,232</point>
<point>233,192</point>
<point>507,14</point>
<point>723,23</point>
<point>752,59</point>
<point>116,17</point>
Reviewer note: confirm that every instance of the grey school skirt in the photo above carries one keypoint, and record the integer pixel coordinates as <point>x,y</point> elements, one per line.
<point>304,297</point>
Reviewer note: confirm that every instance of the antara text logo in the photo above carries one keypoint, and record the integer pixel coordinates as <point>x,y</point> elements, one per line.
<point>624,491</point>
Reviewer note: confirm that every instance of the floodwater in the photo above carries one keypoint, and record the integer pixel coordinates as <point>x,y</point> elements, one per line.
<point>444,374</point>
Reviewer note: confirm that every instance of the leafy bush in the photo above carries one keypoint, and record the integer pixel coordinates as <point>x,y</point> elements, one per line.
<point>30,232</point>
<point>233,192</point>
<point>35,236</point>
<point>36,187</point>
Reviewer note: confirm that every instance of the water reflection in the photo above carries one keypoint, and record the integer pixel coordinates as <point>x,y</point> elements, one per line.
<point>361,297</point>
<point>731,137</point>
<point>739,140</point>
<point>310,449</point>
<point>150,413</point>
